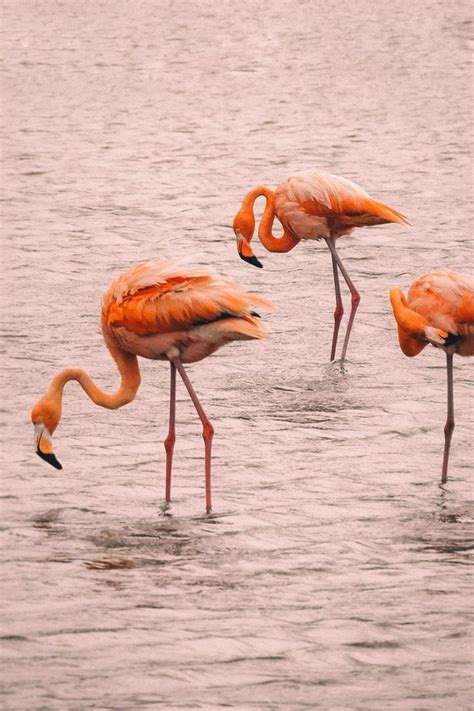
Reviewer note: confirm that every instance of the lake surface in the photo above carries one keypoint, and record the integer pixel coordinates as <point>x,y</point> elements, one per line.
<point>333,572</point>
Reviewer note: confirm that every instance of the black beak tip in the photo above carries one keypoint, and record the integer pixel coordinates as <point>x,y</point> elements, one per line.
<point>252,260</point>
<point>50,458</point>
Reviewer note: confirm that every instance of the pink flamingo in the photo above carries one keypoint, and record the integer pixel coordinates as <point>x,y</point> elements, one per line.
<point>309,208</point>
<point>161,311</point>
<point>439,310</point>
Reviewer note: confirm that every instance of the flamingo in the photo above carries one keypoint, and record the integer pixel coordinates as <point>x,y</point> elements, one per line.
<point>311,207</point>
<point>439,310</point>
<point>161,311</point>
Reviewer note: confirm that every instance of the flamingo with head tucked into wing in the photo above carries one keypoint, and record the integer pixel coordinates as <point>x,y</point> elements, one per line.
<point>311,207</point>
<point>439,309</point>
<point>161,311</point>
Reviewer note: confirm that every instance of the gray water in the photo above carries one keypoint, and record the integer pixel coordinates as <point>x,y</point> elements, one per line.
<point>333,571</point>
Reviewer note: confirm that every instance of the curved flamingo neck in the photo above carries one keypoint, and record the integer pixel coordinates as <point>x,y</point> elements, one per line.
<point>282,243</point>
<point>254,193</point>
<point>411,325</point>
<point>130,382</point>
<point>50,405</point>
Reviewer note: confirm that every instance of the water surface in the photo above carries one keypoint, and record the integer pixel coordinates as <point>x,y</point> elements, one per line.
<point>333,572</point>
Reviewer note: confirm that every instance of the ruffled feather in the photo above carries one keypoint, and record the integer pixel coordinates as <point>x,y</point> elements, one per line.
<point>159,296</point>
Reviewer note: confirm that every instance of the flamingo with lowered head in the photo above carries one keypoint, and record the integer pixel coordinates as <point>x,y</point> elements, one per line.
<point>311,207</point>
<point>161,311</point>
<point>439,310</point>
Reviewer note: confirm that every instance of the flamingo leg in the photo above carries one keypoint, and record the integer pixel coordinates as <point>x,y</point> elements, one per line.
<point>339,310</point>
<point>355,296</point>
<point>449,426</point>
<point>207,431</point>
<point>171,438</point>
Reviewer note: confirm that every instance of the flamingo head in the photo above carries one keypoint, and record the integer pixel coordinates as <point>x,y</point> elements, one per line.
<point>244,226</point>
<point>45,417</point>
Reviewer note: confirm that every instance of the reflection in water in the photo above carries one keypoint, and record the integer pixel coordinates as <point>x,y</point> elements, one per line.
<point>332,573</point>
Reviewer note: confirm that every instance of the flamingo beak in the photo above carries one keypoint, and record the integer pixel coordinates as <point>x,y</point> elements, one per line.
<point>44,448</point>
<point>251,260</point>
<point>50,458</point>
<point>245,251</point>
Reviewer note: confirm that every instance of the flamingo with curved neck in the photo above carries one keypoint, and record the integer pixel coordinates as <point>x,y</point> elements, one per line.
<point>310,208</point>
<point>439,309</point>
<point>160,311</point>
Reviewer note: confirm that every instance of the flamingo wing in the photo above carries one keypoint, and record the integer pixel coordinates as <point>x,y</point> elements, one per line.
<point>439,310</point>
<point>315,205</point>
<point>446,299</point>
<point>158,296</point>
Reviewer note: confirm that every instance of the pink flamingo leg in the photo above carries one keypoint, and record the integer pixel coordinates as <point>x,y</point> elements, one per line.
<point>449,426</point>
<point>339,310</point>
<point>207,432</point>
<point>355,296</point>
<point>171,438</point>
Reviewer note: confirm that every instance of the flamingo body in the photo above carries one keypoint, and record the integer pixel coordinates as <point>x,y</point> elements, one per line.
<point>161,311</point>
<point>446,301</point>
<point>325,205</point>
<point>439,309</point>
<point>311,207</point>
<point>156,307</point>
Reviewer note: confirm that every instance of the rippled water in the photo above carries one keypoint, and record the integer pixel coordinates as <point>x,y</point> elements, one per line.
<point>333,572</point>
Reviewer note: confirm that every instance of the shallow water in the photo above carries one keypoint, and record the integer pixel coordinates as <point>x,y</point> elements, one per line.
<point>333,571</point>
